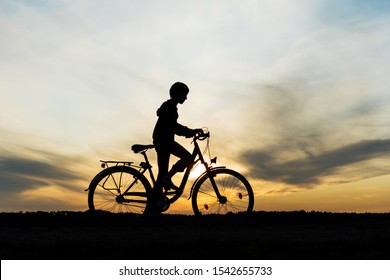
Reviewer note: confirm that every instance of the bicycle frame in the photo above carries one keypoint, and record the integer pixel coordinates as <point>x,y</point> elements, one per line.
<point>196,157</point>
<point>208,170</point>
<point>196,152</point>
<point>143,167</point>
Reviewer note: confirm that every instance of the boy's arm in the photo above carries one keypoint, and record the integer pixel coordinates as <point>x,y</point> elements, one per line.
<point>182,130</point>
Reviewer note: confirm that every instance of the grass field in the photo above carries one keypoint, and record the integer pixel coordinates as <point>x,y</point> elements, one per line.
<point>264,235</point>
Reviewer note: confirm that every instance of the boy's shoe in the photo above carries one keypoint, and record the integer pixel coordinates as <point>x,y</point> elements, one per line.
<point>167,184</point>
<point>162,203</point>
<point>158,200</point>
<point>156,205</point>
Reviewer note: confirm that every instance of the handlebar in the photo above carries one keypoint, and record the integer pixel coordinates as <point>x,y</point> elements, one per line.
<point>202,134</point>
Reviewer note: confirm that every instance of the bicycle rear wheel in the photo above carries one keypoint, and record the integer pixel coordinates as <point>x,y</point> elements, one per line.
<point>236,194</point>
<point>107,191</point>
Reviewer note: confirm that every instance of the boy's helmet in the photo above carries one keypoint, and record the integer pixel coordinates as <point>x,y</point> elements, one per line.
<point>178,89</point>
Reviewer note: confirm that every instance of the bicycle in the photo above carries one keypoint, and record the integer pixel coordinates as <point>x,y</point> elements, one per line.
<point>122,186</point>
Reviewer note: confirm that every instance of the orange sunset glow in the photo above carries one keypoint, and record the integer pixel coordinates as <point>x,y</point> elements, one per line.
<point>295,95</point>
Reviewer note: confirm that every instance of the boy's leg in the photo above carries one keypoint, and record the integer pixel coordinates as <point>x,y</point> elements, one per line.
<point>163,154</point>
<point>185,157</point>
<point>158,201</point>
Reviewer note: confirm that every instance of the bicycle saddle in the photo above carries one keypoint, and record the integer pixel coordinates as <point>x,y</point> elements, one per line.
<point>137,148</point>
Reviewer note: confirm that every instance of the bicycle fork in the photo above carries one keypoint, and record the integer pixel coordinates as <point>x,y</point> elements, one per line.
<point>209,176</point>
<point>208,173</point>
<point>221,198</point>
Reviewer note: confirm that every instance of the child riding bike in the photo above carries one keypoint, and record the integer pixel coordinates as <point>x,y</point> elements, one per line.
<point>164,139</point>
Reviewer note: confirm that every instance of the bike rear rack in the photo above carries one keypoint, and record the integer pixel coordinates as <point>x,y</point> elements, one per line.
<point>106,163</point>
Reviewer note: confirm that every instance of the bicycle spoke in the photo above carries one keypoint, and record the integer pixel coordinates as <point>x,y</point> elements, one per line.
<point>236,194</point>
<point>109,193</point>
<point>108,190</point>
<point>103,205</point>
<point>213,195</point>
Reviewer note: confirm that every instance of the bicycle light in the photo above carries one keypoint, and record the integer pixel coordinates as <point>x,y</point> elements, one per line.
<point>214,160</point>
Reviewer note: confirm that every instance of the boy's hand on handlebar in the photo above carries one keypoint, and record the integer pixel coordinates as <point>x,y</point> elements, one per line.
<point>195,132</point>
<point>201,134</point>
<point>198,131</point>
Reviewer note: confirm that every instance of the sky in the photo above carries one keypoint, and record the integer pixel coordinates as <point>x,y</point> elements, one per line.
<point>295,94</point>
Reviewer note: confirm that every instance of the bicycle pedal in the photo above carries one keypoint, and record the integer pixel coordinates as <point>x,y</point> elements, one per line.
<point>168,188</point>
<point>163,204</point>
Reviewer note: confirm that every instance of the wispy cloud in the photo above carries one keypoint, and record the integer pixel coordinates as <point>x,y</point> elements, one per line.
<point>33,179</point>
<point>320,114</point>
<point>310,170</point>
<point>18,174</point>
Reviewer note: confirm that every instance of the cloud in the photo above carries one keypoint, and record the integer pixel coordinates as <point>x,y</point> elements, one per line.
<point>305,138</point>
<point>41,176</point>
<point>18,174</point>
<point>292,81</point>
<point>320,114</point>
<point>36,163</point>
<point>310,170</point>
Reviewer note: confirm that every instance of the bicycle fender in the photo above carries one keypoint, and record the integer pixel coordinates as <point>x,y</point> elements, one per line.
<point>94,178</point>
<point>201,176</point>
<point>97,176</point>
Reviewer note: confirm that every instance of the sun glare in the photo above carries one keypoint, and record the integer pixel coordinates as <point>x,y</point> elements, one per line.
<point>197,171</point>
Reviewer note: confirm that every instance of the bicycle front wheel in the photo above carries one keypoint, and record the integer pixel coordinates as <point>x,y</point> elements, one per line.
<point>236,194</point>
<point>119,189</point>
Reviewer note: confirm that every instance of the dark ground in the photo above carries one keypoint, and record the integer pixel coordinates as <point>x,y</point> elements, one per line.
<point>264,235</point>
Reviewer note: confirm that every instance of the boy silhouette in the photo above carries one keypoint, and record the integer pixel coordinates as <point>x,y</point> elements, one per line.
<point>164,138</point>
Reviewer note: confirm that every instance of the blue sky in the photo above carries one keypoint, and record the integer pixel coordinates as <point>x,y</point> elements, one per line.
<point>295,91</point>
